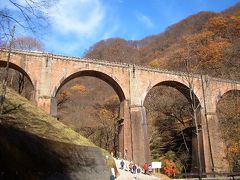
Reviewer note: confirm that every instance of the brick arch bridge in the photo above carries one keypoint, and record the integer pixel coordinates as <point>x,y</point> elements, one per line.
<point>49,72</point>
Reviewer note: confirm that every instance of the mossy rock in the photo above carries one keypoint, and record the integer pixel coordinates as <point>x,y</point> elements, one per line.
<point>34,145</point>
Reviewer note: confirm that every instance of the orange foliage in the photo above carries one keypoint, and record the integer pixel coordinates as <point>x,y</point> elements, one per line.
<point>204,49</point>
<point>111,99</point>
<point>228,109</point>
<point>198,38</point>
<point>234,148</point>
<point>63,97</point>
<point>169,168</point>
<point>63,94</point>
<point>106,114</point>
<point>155,63</point>
<point>213,52</point>
<point>233,151</point>
<point>224,26</point>
<point>79,88</point>
<point>217,24</point>
<point>235,24</point>
<point>178,54</point>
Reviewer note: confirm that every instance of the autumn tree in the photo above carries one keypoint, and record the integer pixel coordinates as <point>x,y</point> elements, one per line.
<point>6,73</point>
<point>170,125</point>
<point>209,48</point>
<point>104,131</point>
<point>213,49</point>
<point>117,50</point>
<point>79,88</point>
<point>64,96</point>
<point>224,26</point>
<point>27,43</point>
<point>228,111</point>
<point>107,128</point>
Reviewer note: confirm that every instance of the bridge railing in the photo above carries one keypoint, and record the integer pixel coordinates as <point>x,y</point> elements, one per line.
<point>97,61</point>
<point>115,64</point>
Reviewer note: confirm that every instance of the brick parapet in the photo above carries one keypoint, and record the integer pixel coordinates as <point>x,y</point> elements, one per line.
<point>114,64</point>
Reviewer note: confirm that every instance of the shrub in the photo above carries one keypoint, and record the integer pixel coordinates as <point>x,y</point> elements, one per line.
<point>169,168</point>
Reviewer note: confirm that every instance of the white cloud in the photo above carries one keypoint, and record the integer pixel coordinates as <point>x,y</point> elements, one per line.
<point>75,25</point>
<point>82,17</point>
<point>144,20</point>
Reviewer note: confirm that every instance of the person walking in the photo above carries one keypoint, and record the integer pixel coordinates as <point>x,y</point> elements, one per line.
<point>150,169</point>
<point>122,164</point>
<point>130,167</point>
<point>138,172</point>
<point>145,168</point>
<point>126,166</point>
<point>134,168</point>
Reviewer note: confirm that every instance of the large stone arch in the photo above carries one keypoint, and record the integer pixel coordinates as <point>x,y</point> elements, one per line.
<point>224,92</point>
<point>17,68</point>
<point>123,114</point>
<point>183,88</point>
<point>141,82</point>
<point>179,82</point>
<point>180,86</point>
<point>109,80</point>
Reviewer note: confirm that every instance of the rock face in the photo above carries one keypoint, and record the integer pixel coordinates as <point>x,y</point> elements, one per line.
<point>27,156</point>
<point>36,146</point>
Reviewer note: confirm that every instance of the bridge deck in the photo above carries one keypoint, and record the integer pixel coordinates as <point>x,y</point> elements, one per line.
<point>113,64</point>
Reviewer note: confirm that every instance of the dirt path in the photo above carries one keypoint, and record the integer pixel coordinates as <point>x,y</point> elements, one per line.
<point>126,175</point>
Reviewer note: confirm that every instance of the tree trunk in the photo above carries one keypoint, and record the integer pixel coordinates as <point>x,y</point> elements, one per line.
<point>5,80</point>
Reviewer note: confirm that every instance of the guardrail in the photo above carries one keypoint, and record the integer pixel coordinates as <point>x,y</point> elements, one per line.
<point>211,175</point>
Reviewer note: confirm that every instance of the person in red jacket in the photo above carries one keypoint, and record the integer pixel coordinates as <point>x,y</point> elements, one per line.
<point>145,168</point>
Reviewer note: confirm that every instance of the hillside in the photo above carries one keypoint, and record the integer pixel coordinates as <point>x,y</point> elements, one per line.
<point>36,146</point>
<point>232,10</point>
<point>211,39</point>
<point>142,51</point>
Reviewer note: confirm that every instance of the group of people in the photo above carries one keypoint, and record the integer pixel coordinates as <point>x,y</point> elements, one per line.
<point>133,168</point>
<point>147,169</point>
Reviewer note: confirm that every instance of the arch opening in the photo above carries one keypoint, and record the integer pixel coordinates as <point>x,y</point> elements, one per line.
<point>183,89</point>
<point>18,79</point>
<point>92,107</point>
<point>98,75</point>
<point>169,107</point>
<point>228,113</point>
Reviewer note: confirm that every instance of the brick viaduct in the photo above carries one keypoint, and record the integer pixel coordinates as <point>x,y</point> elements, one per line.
<point>49,72</point>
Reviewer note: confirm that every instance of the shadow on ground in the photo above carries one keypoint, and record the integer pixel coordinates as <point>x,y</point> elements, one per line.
<point>27,156</point>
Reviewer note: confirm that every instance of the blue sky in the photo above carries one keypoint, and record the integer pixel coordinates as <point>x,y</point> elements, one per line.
<point>75,25</point>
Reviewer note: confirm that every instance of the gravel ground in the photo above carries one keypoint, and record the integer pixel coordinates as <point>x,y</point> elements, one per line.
<point>126,175</point>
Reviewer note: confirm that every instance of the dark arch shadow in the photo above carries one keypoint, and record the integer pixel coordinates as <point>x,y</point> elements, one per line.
<point>17,68</point>
<point>227,111</point>
<point>182,89</point>
<point>227,96</point>
<point>229,92</point>
<point>98,75</point>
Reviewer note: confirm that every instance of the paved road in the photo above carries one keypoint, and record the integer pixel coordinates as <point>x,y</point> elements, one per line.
<point>126,175</point>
